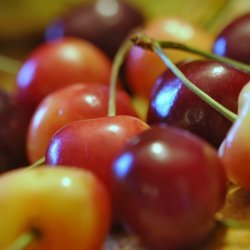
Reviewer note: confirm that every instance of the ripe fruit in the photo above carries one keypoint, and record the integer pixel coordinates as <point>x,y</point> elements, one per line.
<point>93,143</point>
<point>167,184</point>
<point>173,103</point>
<point>143,67</point>
<point>112,21</point>
<point>58,64</point>
<point>234,151</point>
<point>234,40</point>
<point>72,103</point>
<point>69,208</point>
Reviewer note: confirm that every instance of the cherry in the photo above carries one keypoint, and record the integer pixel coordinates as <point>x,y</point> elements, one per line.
<point>13,126</point>
<point>234,40</point>
<point>171,102</point>
<point>58,64</point>
<point>58,208</point>
<point>75,102</point>
<point>93,143</point>
<point>143,67</point>
<point>167,185</point>
<point>105,23</point>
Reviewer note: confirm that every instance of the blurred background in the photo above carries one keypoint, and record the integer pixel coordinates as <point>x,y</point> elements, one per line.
<point>23,22</point>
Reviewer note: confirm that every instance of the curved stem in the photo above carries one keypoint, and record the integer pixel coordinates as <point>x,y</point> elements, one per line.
<point>139,39</point>
<point>156,47</point>
<point>9,65</point>
<point>24,240</point>
<point>118,61</point>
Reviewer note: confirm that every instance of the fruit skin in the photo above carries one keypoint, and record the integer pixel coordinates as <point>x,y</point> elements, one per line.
<point>69,207</point>
<point>69,104</point>
<point>167,185</point>
<point>234,40</point>
<point>143,67</point>
<point>173,103</point>
<point>93,143</point>
<point>58,64</point>
<point>112,21</point>
<point>234,151</point>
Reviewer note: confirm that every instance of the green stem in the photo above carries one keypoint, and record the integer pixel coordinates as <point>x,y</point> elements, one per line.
<point>232,222</point>
<point>156,47</point>
<point>118,61</point>
<point>9,65</point>
<point>139,39</point>
<point>36,164</point>
<point>24,240</point>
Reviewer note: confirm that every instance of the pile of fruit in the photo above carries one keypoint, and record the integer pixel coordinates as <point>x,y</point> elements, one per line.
<point>127,133</point>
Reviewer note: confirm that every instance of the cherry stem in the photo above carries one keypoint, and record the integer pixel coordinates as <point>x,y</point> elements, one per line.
<point>231,222</point>
<point>140,40</point>
<point>36,164</point>
<point>9,65</point>
<point>24,240</point>
<point>118,61</point>
<point>156,47</point>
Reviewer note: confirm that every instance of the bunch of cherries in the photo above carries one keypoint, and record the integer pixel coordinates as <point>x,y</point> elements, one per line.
<point>94,160</point>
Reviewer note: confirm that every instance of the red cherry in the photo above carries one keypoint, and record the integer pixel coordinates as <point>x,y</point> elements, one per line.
<point>72,103</point>
<point>58,64</point>
<point>167,185</point>
<point>92,144</point>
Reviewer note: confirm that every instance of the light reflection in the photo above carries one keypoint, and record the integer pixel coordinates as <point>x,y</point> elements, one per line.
<point>180,30</point>
<point>159,150</point>
<point>123,165</point>
<point>107,8</point>
<point>26,73</point>
<point>54,31</point>
<point>165,99</point>
<point>217,70</point>
<point>70,53</point>
<point>220,46</point>
<point>38,117</point>
<point>114,128</point>
<point>66,181</point>
<point>91,99</point>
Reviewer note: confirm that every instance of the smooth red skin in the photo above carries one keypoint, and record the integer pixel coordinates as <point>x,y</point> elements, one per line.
<point>168,198</point>
<point>188,111</point>
<point>109,31</point>
<point>58,64</point>
<point>92,144</point>
<point>236,40</point>
<point>72,103</point>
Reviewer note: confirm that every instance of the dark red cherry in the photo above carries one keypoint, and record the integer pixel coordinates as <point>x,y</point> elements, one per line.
<point>173,103</point>
<point>167,185</point>
<point>234,40</point>
<point>106,23</point>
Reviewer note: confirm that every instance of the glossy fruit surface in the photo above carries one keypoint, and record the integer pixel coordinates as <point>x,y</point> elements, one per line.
<point>167,185</point>
<point>143,67</point>
<point>58,64</point>
<point>72,103</point>
<point>173,103</point>
<point>234,40</point>
<point>69,208</point>
<point>235,147</point>
<point>13,126</point>
<point>105,23</point>
<point>93,143</point>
